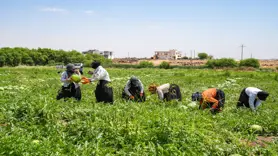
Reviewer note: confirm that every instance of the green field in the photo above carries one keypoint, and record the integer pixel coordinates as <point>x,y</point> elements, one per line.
<point>32,122</point>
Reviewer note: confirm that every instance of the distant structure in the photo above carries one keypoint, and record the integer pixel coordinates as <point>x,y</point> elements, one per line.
<point>106,54</point>
<point>171,54</point>
<point>242,46</point>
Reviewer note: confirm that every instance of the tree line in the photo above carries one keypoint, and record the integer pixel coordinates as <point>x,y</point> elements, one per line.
<point>45,56</point>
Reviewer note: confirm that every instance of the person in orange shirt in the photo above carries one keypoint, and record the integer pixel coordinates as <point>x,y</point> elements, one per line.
<point>212,97</point>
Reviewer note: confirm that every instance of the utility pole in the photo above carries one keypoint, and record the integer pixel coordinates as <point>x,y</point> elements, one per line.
<point>191,57</point>
<point>242,46</point>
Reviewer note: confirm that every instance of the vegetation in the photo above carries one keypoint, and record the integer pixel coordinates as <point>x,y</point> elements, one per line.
<point>184,58</point>
<point>203,56</point>
<point>44,56</point>
<point>164,65</point>
<point>220,63</point>
<point>251,62</point>
<point>32,122</point>
<point>145,64</point>
<point>210,57</point>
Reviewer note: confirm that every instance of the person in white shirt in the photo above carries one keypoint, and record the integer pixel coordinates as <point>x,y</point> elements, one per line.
<point>81,69</point>
<point>69,88</point>
<point>166,91</point>
<point>103,92</point>
<point>251,97</point>
<point>134,90</point>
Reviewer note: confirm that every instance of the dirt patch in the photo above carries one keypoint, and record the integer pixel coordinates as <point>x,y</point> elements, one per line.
<point>263,63</point>
<point>260,141</point>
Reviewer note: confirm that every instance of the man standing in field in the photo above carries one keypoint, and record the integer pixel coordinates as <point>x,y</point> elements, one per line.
<point>212,97</point>
<point>251,97</point>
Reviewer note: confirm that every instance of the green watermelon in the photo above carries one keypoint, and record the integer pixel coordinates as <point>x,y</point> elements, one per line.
<point>256,128</point>
<point>76,78</point>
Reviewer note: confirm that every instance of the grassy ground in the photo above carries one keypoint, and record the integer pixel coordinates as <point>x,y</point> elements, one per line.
<point>32,122</point>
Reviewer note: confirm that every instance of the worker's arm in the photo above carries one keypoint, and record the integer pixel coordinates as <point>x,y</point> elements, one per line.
<point>251,101</point>
<point>214,101</point>
<point>127,86</point>
<point>160,93</point>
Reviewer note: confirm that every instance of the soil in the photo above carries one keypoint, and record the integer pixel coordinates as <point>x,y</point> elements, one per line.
<point>260,141</point>
<point>263,63</point>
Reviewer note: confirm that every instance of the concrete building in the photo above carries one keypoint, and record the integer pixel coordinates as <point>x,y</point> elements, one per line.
<point>167,55</point>
<point>106,54</point>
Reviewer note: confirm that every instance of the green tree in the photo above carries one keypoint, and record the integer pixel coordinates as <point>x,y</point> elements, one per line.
<point>203,56</point>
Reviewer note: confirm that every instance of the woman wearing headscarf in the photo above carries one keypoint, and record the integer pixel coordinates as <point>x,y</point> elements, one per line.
<point>103,92</point>
<point>251,97</point>
<point>166,91</point>
<point>213,98</point>
<point>69,88</point>
<point>134,90</point>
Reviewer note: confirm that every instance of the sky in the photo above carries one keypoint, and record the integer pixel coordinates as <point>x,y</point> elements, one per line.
<point>137,28</point>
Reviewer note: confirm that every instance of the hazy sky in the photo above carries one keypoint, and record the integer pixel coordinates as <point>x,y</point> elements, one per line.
<point>139,27</point>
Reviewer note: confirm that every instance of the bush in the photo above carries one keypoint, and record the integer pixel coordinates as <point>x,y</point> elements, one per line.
<point>227,73</point>
<point>251,62</point>
<point>51,63</point>
<point>203,56</point>
<point>123,66</point>
<point>224,62</point>
<point>164,65</point>
<point>145,64</point>
<point>2,61</point>
<point>276,77</point>
<point>184,58</point>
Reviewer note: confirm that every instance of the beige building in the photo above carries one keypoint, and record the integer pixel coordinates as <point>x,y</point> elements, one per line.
<point>167,55</point>
<point>106,54</point>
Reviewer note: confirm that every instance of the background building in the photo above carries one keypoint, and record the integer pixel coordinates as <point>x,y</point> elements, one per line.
<point>106,54</point>
<point>167,55</point>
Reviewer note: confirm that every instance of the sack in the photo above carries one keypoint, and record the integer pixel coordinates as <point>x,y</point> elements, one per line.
<point>174,93</point>
<point>220,96</point>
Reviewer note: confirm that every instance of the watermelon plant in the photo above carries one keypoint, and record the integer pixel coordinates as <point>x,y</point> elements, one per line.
<point>33,122</point>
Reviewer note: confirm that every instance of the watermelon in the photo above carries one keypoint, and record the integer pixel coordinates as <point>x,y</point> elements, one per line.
<point>256,128</point>
<point>192,104</point>
<point>76,78</point>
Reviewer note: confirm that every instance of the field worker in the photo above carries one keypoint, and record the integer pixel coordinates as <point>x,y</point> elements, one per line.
<point>134,90</point>
<point>103,93</point>
<point>212,97</point>
<point>166,91</point>
<point>251,97</point>
<point>69,88</point>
